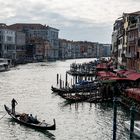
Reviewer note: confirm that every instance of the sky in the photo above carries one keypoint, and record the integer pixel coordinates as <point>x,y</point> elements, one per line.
<point>78,20</point>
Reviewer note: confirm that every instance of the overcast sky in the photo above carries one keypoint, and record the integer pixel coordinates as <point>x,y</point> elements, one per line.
<point>90,20</point>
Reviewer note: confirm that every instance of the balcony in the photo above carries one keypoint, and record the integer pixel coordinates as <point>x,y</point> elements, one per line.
<point>132,26</point>
<point>130,55</point>
<point>132,43</point>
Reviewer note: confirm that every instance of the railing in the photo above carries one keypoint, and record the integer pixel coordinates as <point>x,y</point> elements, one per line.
<point>132,26</point>
<point>130,55</point>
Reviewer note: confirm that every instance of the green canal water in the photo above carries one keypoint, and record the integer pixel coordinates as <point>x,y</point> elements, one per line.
<point>30,85</point>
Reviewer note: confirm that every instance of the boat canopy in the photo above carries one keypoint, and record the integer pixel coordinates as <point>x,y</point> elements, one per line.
<point>133,76</point>
<point>106,74</point>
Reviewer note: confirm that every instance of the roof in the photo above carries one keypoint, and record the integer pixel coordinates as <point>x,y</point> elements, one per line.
<point>20,26</point>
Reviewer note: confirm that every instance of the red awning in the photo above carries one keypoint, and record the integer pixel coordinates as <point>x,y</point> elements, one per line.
<point>119,78</point>
<point>121,71</point>
<point>129,72</point>
<point>133,76</point>
<point>106,74</point>
<point>102,66</point>
<point>133,93</point>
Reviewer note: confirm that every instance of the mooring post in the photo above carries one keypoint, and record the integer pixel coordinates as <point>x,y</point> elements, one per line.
<point>57,78</point>
<point>114,118</point>
<point>85,77</point>
<point>132,117</point>
<point>90,78</point>
<point>60,82</point>
<point>73,80</point>
<point>63,84</point>
<point>76,79</point>
<point>66,80</point>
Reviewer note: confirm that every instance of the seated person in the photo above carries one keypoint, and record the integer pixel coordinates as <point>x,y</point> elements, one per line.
<point>33,119</point>
<point>24,117</point>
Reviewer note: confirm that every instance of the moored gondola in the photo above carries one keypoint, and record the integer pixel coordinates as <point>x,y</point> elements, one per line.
<point>36,125</point>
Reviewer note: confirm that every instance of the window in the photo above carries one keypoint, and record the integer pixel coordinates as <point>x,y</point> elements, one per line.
<point>139,42</point>
<point>137,54</point>
<point>9,38</point>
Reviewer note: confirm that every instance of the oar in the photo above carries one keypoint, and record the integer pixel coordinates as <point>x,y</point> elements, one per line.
<point>3,115</point>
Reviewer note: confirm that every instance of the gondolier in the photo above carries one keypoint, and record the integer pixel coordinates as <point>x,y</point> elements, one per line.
<point>14,103</point>
<point>22,118</point>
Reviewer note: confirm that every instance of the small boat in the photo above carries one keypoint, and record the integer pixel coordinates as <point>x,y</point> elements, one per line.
<point>38,125</point>
<point>136,127</point>
<point>4,65</point>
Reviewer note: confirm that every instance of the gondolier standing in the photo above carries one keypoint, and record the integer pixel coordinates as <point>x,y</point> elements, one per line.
<point>14,103</point>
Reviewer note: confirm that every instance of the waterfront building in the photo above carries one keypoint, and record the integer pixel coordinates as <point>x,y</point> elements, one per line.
<point>88,49</point>
<point>35,49</point>
<point>40,32</point>
<point>7,42</point>
<point>117,41</point>
<point>103,50</point>
<point>67,49</point>
<point>125,41</point>
<point>52,37</point>
<point>20,47</point>
<point>82,49</point>
<point>92,50</point>
<point>106,50</point>
<point>133,41</point>
<point>62,48</point>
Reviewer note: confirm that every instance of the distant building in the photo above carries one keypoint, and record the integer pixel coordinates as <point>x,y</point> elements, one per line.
<point>118,41</point>
<point>42,33</point>
<point>133,41</point>
<point>7,43</point>
<point>103,50</point>
<point>126,41</point>
<point>82,49</point>
<point>52,38</point>
<point>20,47</point>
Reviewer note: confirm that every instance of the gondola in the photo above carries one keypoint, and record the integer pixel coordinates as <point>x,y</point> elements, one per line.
<point>74,89</point>
<point>62,90</point>
<point>76,98</point>
<point>39,125</point>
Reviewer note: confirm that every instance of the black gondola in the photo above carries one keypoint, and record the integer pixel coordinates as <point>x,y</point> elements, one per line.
<point>39,125</point>
<point>75,98</point>
<point>75,89</point>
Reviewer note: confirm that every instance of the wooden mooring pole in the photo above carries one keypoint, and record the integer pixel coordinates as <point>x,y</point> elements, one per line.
<point>57,78</point>
<point>66,80</point>
<point>132,117</point>
<point>60,82</point>
<point>114,118</point>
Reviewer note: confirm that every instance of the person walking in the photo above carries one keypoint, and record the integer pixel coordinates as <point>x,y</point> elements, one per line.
<point>14,103</point>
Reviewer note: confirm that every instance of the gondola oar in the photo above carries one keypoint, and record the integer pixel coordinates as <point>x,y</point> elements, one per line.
<point>3,115</point>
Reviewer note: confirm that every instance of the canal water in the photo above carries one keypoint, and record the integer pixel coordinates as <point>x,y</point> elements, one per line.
<point>30,85</point>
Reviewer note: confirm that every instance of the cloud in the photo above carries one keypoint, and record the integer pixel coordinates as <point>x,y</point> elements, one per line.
<point>87,15</point>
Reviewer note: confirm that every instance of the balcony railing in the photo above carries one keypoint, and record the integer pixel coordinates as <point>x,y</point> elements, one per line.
<point>132,26</point>
<point>130,55</point>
